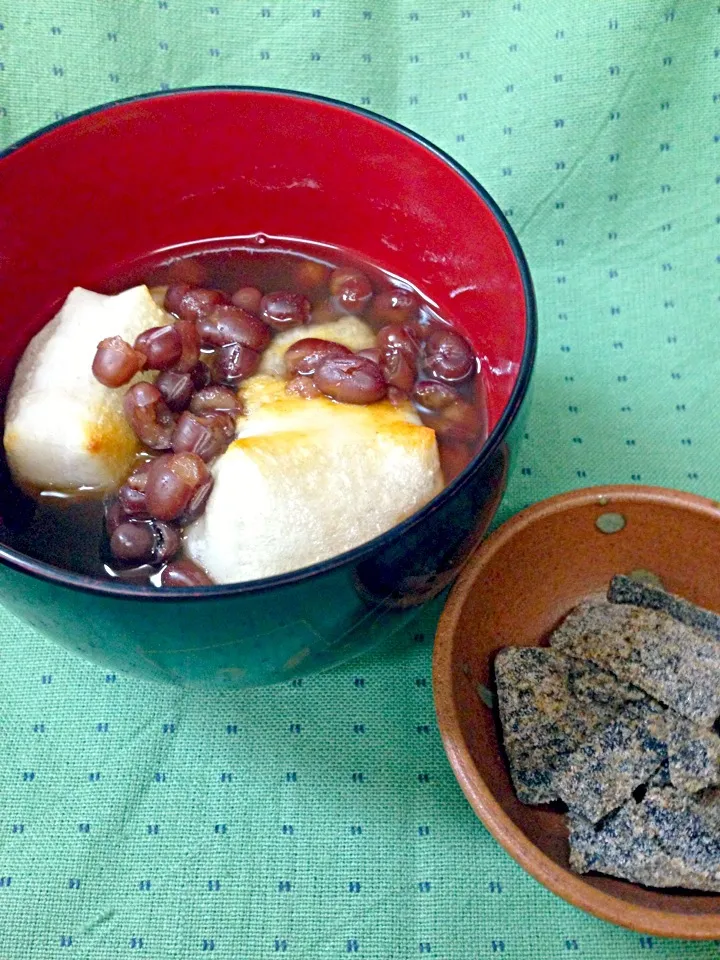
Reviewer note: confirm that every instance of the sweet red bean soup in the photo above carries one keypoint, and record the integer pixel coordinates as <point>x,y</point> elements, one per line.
<point>315,328</point>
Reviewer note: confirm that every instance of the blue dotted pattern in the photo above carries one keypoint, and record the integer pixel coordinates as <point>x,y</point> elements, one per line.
<point>321,819</point>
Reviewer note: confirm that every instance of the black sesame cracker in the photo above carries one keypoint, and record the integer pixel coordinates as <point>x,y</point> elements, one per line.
<point>693,755</point>
<point>668,839</point>
<point>603,773</point>
<point>549,705</point>
<point>672,662</point>
<point>631,591</point>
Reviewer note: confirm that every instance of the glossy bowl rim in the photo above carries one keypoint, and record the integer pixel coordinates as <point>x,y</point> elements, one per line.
<point>57,575</point>
<point>559,880</point>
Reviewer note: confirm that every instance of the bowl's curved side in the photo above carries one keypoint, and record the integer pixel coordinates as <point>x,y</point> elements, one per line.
<point>448,667</point>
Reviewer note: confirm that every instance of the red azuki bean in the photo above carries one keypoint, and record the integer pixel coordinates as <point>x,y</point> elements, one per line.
<point>399,371</point>
<point>131,494</point>
<point>230,324</point>
<point>197,302</point>
<point>215,398</point>
<point>114,516</point>
<point>396,396</point>
<point>190,346</point>
<point>205,436</point>
<point>184,573</point>
<point>394,336</point>
<point>176,389</point>
<point>448,356</point>
<point>248,298</point>
<point>371,353</point>
<point>304,356</point>
<point>350,290</point>
<point>201,375</point>
<point>167,541</point>
<point>132,500</point>
<point>443,409</point>
<point>225,423</point>
<point>149,415</point>
<point>283,309</point>
<point>234,362</point>
<point>173,297</point>
<point>304,387</point>
<point>133,542</point>
<point>173,482</point>
<point>433,395</point>
<point>197,503</point>
<point>395,306</point>
<point>144,541</point>
<point>137,478</point>
<point>351,380</point>
<point>116,362</point>
<point>309,274</point>
<point>161,345</point>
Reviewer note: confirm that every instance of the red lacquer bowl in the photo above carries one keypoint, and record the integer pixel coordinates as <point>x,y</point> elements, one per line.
<point>83,200</point>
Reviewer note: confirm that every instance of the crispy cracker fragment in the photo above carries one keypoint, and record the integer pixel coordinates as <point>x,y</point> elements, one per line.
<point>549,705</point>
<point>602,774</point>
<point>672,662</point>
<point>666,840</point>
<point>693,755</point>
<point>631,591</point>
<point>661,777</point>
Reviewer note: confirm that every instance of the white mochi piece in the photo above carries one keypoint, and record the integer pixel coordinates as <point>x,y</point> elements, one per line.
<point>351,332</point>
<point>306,480</point>
<point>63,429</point>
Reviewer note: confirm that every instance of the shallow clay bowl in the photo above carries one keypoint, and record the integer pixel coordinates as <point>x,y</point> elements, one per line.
<point>514,590</point>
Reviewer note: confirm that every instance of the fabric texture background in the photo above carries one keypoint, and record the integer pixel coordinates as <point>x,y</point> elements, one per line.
<point>321,819</point>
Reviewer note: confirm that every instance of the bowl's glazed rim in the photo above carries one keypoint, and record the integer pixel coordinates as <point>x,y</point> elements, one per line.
<point>57,575</point>
<point>561,881</point>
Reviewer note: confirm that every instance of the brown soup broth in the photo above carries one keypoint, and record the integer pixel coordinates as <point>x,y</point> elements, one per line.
<point>68,531</point>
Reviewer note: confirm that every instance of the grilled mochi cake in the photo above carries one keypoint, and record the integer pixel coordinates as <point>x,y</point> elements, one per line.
<point>307,479</point>
<point>64,430</point>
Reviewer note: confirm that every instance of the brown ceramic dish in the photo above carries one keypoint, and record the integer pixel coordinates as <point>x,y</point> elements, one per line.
<point>514,590</point>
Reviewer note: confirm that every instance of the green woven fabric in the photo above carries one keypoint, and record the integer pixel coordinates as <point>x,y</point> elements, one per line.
<point>322,819</point>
